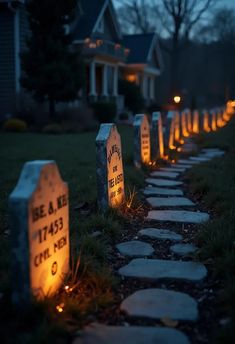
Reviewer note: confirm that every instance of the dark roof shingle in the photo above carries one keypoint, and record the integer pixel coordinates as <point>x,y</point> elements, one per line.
<point>139,46</point>
<point>85,24</point>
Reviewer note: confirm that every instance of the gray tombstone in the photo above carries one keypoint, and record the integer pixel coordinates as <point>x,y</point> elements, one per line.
<point>195,122</point>
<point>189,120</point>
<point>39,215</point>
<point>213,123</point>
<point>109,169</point>
<point>169,135</point>
<point>157,144</point>
<point>142,144</point>
<point>206,121</point>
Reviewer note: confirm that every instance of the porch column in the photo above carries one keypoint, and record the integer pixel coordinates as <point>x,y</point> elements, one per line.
<point>152,87</point>
<point>115,81</point>
<point>92,79</point>
<point>104,81</point>
<point>144,86</point>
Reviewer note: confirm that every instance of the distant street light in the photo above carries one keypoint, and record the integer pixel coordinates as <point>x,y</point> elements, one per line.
<point>177,99</point>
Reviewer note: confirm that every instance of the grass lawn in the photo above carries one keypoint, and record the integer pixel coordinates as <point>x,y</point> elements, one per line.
<point>214,185</point>
<point>75,156</point>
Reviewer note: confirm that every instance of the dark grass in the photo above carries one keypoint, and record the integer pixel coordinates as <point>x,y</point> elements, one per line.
<point>213,184</point>
<point>75,157</point>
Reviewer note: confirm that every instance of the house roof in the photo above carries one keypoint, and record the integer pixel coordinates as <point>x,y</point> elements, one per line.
<point>140,46</point>
<point>90,12</point>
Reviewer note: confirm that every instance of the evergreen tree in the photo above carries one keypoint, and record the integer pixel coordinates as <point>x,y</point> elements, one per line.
<point>53,70</point>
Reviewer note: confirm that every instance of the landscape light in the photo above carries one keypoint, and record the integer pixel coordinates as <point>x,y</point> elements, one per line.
<point>177,99</point>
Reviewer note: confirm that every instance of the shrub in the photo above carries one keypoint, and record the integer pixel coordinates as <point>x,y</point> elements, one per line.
<point>123,116</point>
<point>133,97</point>
<point>53,128</point>
<point>15,125</point>
<point>104,112</point>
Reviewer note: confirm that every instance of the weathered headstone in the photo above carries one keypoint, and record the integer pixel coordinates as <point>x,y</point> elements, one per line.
<point>142,144</point>
<point>157,148</point>
<point>184,127</point>
<point>177,127</point>
<point>206,121</point>
<point>110,177</point>
<point>189,120</point>
<point>213,120</point>
<point>169,137</point>
<point>195,121</point>
<point>39,214</point>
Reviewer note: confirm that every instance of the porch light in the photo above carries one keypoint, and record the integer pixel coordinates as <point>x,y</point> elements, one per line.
<point>131,78</point>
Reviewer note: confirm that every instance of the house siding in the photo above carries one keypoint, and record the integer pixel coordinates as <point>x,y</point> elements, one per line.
<point>7,62</point>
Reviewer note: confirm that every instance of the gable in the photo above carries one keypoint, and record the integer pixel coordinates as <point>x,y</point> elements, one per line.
<point>106,26</point>
<point>154,62</point>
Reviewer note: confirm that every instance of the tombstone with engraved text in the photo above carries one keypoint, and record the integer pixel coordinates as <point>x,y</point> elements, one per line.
<point>109,169</point>
<point>39,214</point>
<point>157,147</point>
<point>142,144</point>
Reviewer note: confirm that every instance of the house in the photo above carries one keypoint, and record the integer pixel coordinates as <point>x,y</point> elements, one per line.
<point>144,63</point>
<point>13,30</point>
<point>108,55</point>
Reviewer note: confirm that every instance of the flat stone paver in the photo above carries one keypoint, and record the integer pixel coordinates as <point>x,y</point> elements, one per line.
<point>183,249</point>
<point>178,216</point>
<point>150,190</point>
<point>156,269</point>
<point>156,202</point>
<point>171,169</point>
<point>103,334</point>
<point>163,182</point>
<point>213,154</point>
<point>135,248</point>
<point>199,158</point>
<point>170,175</point>
<point>211,150</point>
<point>159,303</point>
<point>182,166</point>
<point>161,234</point>
<point>187,162</point>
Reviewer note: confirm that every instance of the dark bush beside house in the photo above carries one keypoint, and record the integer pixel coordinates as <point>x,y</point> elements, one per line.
<point>15,125</point>
<point>133,98</point>
<point>104,112</point>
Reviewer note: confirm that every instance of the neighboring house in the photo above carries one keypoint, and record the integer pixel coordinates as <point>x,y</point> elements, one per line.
<point>107,54</point>
<point>144,63</point>
<point>13,30</point>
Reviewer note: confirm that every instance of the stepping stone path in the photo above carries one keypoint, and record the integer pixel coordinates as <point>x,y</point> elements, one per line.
<point>135,248</point>
<point>102,334</point>
<point>159,303</point>
<point>199,158</point>
<point>163,182</point>
<point>171,175</point>
<point>183,249</point>
<point>171,169</point>
<point>157,202</point>
<point>150,190</point>
<point>188,162</point>
<point>178,216</point>
<point>155,303</point>
<point>160,234</point>
<point>157,269</point>
<point>182,166</point>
